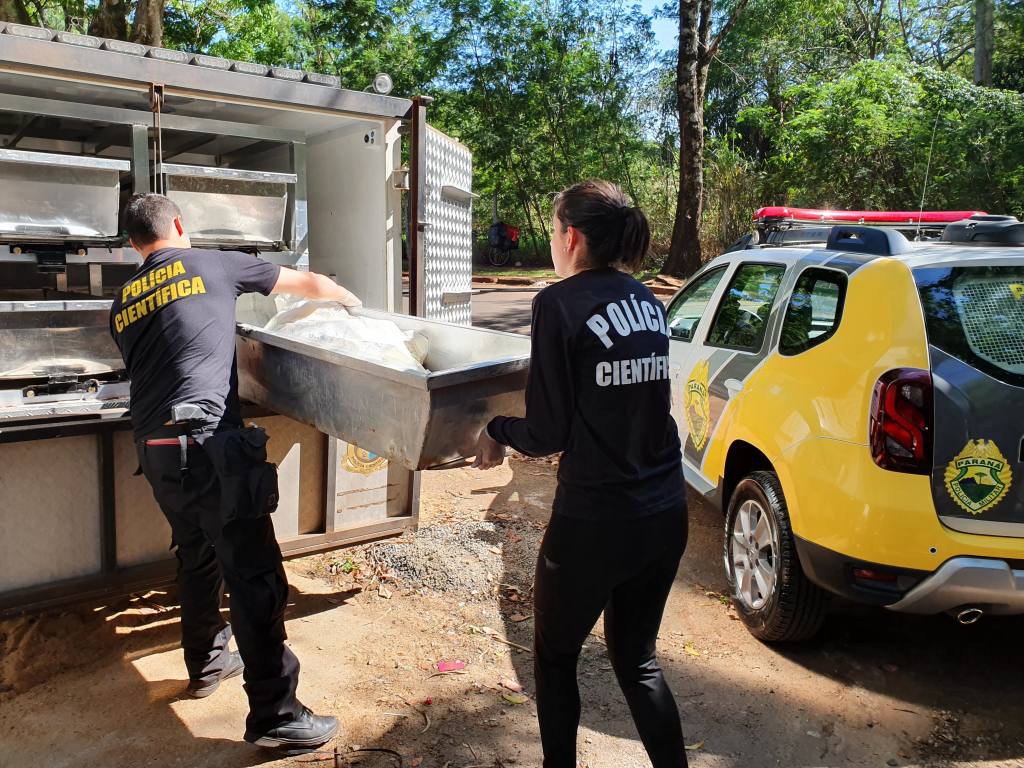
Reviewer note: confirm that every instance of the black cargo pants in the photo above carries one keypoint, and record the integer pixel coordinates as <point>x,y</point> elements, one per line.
<point>625,568</point>
<point>220,544</point>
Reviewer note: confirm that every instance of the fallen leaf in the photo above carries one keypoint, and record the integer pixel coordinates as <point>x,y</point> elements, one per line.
<point>450,666</point>
<point>515,698</point>
<point>384,592</point>
<point>691,649</point>
<point>694,747</point>
<point>518,617</point>
<point>495,550</point>
<point>512,685</point>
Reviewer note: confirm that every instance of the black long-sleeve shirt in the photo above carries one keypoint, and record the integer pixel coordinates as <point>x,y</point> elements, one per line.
<point>599,393</point>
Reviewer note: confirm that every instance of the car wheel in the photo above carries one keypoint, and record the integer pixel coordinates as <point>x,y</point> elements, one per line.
<point>770,591</point>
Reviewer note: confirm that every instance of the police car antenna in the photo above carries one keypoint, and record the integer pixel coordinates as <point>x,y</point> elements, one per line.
<point>927,171</point>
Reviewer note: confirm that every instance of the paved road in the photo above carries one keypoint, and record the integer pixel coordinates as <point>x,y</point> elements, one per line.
<point>499,309</point>
<point>503,310</point>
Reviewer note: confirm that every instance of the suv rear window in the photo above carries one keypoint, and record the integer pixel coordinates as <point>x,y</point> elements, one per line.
<point>814,310</point>
<point>976,314</point>
<point>742,318</point>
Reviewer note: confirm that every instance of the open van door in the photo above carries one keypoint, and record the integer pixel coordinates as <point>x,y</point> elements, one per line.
<point>442,208</point>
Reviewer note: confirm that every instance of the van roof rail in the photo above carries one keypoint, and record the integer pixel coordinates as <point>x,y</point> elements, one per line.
<point>872,240</point>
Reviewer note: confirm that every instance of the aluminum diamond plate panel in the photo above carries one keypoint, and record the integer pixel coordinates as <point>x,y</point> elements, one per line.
<point>448,240</point>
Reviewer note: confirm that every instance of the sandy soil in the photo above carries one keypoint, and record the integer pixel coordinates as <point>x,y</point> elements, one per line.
<point>100,685</point>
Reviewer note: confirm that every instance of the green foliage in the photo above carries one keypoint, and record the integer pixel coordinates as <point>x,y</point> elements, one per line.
<point>1008,61</point>
<point>862,140</point>
<point>815,102</point>
<point>547,95</point>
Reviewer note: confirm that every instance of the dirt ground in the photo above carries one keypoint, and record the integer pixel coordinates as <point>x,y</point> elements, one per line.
<point>100,686</point>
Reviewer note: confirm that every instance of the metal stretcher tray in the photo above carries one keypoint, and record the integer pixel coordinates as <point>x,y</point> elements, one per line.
<point>422,421</point>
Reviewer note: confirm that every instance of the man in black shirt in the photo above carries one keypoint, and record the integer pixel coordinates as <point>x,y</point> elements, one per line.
<point>174,322</point>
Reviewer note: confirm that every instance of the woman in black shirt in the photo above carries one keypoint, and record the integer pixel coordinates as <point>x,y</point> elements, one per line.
<point>598,393</point>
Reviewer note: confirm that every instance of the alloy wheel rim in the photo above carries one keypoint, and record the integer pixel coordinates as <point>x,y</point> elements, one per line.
<point>753,545</point>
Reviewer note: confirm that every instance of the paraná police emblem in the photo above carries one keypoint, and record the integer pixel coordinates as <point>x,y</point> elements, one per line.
<point>979,477</point>
<point>698,406</point>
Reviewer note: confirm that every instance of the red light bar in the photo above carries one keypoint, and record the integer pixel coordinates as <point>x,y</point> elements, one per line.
<point>815,215</point>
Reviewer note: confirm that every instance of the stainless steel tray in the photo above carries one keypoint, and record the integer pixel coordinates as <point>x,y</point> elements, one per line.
<point>58,196</point>
<point>228,206</point>
<point>41,339</point>
<point>422,421</point>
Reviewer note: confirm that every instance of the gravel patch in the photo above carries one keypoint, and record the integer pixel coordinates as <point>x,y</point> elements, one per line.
<point>472,559</point>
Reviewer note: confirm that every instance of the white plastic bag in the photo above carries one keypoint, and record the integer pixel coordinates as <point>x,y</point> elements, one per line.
<point>328,325</point>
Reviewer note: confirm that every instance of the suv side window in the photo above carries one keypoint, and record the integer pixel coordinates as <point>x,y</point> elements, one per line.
<point>742,318</point>
<point>814,310</point>
<point>685,312</point>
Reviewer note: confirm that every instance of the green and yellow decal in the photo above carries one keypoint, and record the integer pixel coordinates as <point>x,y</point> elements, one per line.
<point>979,477</point>
<point>698,405</point>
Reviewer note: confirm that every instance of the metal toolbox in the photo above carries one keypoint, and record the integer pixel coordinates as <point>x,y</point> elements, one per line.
<point>422,421</point>
<point>226,206</point>
<point>56,197</point>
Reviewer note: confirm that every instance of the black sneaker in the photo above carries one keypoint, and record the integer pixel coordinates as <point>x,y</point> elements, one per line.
<point>200,689</point>
<point>298,736</point>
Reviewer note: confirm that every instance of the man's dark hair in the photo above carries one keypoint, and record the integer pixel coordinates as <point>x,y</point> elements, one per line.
<point>148,217</point>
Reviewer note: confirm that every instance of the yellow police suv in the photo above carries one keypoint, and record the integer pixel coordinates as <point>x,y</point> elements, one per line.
<point>853,402</point>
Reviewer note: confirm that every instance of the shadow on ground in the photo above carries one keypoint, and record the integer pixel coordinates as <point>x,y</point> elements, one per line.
<point>867,693</point>
<point>870,691</point>
<point>87,725</point>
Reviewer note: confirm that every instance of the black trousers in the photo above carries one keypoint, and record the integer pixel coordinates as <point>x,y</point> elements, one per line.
<point>244,555</point>
<point>626,569</point>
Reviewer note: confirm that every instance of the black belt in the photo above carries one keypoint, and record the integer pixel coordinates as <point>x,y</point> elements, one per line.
<point>170,435</point>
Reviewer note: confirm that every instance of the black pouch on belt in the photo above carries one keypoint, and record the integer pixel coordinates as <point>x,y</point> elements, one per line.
<point>248,482</point>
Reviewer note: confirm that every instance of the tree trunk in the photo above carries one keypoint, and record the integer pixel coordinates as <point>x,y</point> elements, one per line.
<point>148,28</point>
<point>15,11</point>
<point>984,41</point>
<point>685,256</point>
<point>111,20</point>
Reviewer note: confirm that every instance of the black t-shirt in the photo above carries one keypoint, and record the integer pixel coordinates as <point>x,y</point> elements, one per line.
<point>599,393</point>
<point>174,322</point>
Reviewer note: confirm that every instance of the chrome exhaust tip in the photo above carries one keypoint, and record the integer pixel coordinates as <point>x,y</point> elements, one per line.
<point>969,615</point>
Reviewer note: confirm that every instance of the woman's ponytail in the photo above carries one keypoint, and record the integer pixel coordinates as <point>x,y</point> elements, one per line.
<point>636,238</point>
<point>616,232</point>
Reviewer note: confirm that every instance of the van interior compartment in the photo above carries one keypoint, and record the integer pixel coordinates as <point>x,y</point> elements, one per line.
<point>420,420</point>
<point>302,174</point>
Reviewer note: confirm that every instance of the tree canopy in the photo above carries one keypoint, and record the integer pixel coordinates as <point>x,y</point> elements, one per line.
<point>838,103</point>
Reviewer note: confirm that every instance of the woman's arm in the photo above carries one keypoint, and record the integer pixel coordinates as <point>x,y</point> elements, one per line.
<point>550,395</point>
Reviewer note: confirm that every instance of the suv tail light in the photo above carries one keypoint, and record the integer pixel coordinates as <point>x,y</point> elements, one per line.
<point>901,421</point>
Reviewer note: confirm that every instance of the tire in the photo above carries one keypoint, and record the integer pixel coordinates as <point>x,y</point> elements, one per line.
<point>786,607</point>
<point>498,257</point>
